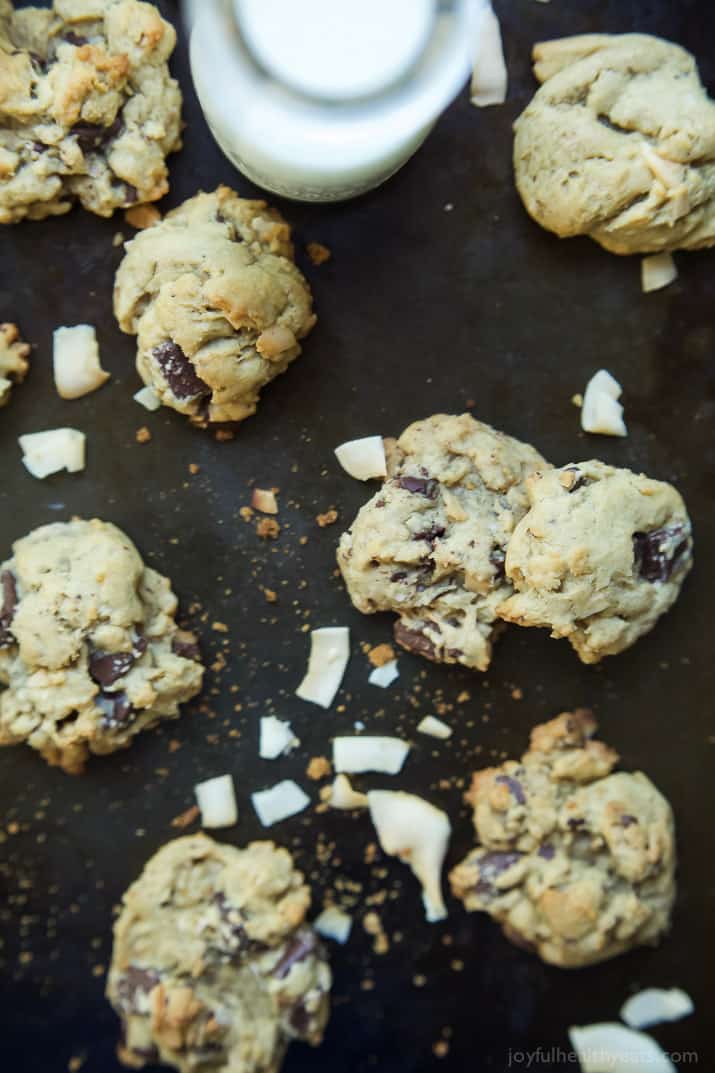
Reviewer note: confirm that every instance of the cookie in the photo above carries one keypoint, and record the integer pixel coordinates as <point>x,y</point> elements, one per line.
<point>216,302</point>
<point>619,144</point>
<point>214,966</point>
<point>431,544</point>
<point>600,556</point>
<point>13,360</point>
<point>88,109</point>
<point>90,654</point>
<point>575,862</point>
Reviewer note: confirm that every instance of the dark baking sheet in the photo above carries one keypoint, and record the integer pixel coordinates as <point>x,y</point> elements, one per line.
<point>421,310</point>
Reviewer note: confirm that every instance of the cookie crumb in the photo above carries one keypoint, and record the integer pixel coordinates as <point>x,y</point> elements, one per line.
<point>270,595</point>
<point>75,1063</point>
<point>318,768</point>
<point>143,435</point>
<point>268,529</point>
<point>184,819</point>
<point>246,513</point>
<point>441,1048</point>
<point>381,654</point>
<point>577,399</point>
<point>318,253</point>
<point>219,627</point>
<point>329,518</point>
<point>194,469</point>
<point>118,239</point>
<point>517,693</point>
<point>224,435</point>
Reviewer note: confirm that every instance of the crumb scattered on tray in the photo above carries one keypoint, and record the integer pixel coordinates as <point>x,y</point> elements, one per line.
<point>224,435</point>
<point>329,518</point>
<point>143,435</point>
<point>184,819</point>
<point>142,216</point>
<point>381,654</point>
<point>268,528</point>
<point>318,253</point>
<point>319,768</point>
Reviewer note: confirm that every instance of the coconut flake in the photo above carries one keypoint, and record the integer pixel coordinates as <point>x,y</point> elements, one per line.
<point>657,272</point>
<point>385,675</point>
<point>489,73</point>
<point>611,1048</point>
<point>333,923</point>
<point>75,357</point>
<point>601,411</point>
<point>279,802</point>
<point>363,458</point>
<point>264,499</point>
<point>277,738</point>
<point>655,1005</point>
<point>412,829</point>
<point>356,755</point>
<point>45,453</point>
<point>329,655</point>
<point>217,800</point>
<point>434,727</point>
<point>148,398</point>
<point>342,796</point>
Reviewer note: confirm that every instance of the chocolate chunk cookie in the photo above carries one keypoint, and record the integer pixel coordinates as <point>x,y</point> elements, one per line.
<point>619,144</point>
<point>216,302</point>
<point>214,966</point>
<point>88,110</point>
<point>90,654</point>
<point>600,556</point>
<point>576,863</point>
<point>13,360</point>
<point>431,544</point>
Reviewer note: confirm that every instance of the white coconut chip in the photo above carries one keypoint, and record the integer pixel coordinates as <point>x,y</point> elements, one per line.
<point>612,1048</point>
<point>489,73</point>
<point>264,499</point>
<point>279,802</point>
<point>363,459</point>
<point>217,800</point>
<point>385,675</point>
<point>360,754</point>
<point>45,453</point>
<point>601,411</point>
<point>342,796</point>
<point>655,1005</point>
<point>277,738</point>
<point>329,655</point>
<point>412,829</point>
<point>333,923</point>
<point>434,727</point>
<point>148,398</point>
<point>75,357</point>
<point>657,272</point>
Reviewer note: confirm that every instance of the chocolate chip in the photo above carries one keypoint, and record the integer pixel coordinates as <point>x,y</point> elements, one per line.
<point>575,822</point>
<point>178,371</point>
<point>8,588</point>
<point>414,641</point>
<point>380,503</point>
<point>399,575</point>
<point>92,136</point>
<point>116,709</point>
<point>422,486</point>
<point>133,982</point>
<point>657,553</point>
<point>106,668</point>
<point>628,821</point>
<point>299,1019</point>
<point>131,193</point>
<point>515,787</point>
<point>300,947</point>
<point>431,535</point>
<point>491,865</point>
<point>186,649</point>
<point>547,852</point>
<point>497,557</point>
<point>74,39</point>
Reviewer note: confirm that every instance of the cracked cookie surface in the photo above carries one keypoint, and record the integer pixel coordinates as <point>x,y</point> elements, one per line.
<point>576,862</point>
<point>90,654</point>
<point>88,109</point>
<point>14,362</point>
<point>214,966</point>
<point>619,144</point>
<point>600,556</point>
<point>431,544</point>
<point>216,302</point>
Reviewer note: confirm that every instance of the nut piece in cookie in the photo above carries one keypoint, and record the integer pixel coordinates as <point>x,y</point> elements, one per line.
<point>90,654</point>
<point>14,362</point>
<point>600,556</point>
<point>216,302</point>
<point>431,544</point>
<point>88,109</point>
<point>619,144</point>
<point>214,964</point>
<point>576,863</point>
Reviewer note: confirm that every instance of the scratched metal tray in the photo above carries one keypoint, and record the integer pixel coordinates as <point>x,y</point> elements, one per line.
<point>421,310</point>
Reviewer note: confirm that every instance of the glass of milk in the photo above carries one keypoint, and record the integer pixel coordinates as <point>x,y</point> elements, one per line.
<point>321,100</point>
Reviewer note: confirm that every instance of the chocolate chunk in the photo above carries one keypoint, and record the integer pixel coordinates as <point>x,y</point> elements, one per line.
<point>106,668</point>
<point>422,486</point>
<point>74,39</point>
<point>399,575</point>
<point>380,503</point>
<point>180,646</point>
<point>497,557</point>
<point>628,821</point>
<point>131,193</point>
<point>116,709</point>
<point>299,948</point>
<point>92,136</point>
<point>414,641</point>
<point>547,852</point>
<point>134,982</point>
<point>8,589</point>
<point>575,822</point>
<point>431,535</point>
<point>657,553</point>
<point>515,787</point>
<point>299,1019</point>
<point>179,372</point>
<point>491,865</point>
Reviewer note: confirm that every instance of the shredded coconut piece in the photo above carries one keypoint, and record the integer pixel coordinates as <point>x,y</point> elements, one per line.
<point>277,738</point>
<point>333,923</point>
<point>75,359</point>
<point>356,755</point>
<point>148,398</point>
<point>489,73</point>
<point>342,796</point>
<point>601,411</point>
<point>612,1047</point>
<point>45,453</point>
<point>279,802</point>
<point>434,727</point>
<point>657,271</point>
<point>216,799</point>
<point>363,459</point>
<point>655,1005</point>
<point>329,655</point>
<point>385,675</point>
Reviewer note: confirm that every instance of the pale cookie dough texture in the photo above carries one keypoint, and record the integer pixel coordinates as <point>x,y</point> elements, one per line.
<point>14,362</point>
<point>600,556</point>
<point>90,654</point>
<point>88,109</point>
<point>431,544</point>
<point>619,144</point>
<point>576,863</point>
<point>216,302</point>
<point>214,967</point>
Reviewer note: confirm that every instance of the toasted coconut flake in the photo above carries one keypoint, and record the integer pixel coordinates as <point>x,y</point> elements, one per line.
<point>612,1048</point>
<point>356,755</point>
<point>489,73</point>
<point>264,499</point>
<point>75,357</point>
<point>279,802</point>
<point>385,675</point>
<point>342,796</point>
<point>601,412</point>
<point>217,800</point>
<point>333,923</point>
<point>45,453</point>
<point>412,829</point>
<point>363,459</point>
<point>277,738</point>
<point>329,655</point>
<point>655,1005</point>
<point>434,727</point>
<point>148,398</point>
<point>657,271</point>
